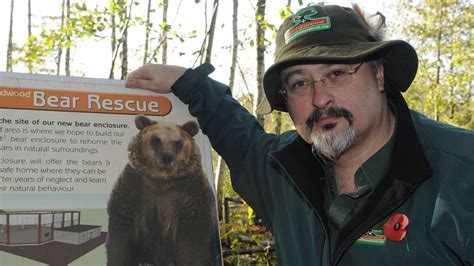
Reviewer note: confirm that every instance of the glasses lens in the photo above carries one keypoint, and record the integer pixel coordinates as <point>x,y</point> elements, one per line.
<point>339,77</point>
<point>298,88</point>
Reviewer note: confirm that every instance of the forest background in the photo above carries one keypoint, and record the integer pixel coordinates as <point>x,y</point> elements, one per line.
<point>108,39</point>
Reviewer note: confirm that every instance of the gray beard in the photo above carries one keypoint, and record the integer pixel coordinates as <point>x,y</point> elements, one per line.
<point>333,146</point>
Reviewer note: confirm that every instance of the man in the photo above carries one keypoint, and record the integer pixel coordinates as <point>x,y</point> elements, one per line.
<point>363,180</point>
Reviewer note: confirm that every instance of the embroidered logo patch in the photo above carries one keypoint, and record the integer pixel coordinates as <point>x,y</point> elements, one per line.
<point>373,237</point>
<point>306,21</point>
<point>392,228</point>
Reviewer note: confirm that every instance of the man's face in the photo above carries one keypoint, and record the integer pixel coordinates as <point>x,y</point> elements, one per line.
<point>331,116</point>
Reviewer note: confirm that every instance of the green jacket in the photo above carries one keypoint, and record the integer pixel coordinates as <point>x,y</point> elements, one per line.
<point>431,181</point>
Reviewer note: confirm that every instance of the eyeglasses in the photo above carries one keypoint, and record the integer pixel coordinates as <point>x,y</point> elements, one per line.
<point>300,88</point>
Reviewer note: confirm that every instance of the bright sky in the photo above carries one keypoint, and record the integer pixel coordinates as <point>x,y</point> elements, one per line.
<point>92,58</point>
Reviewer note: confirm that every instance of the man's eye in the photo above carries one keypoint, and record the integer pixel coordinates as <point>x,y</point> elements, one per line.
<point>300,84</point>
<point>336,74</point>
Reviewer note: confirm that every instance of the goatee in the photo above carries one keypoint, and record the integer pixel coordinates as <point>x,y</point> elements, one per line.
<point>331,145</point>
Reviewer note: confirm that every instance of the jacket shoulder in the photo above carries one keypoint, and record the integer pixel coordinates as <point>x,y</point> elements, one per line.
<point>444,138</point>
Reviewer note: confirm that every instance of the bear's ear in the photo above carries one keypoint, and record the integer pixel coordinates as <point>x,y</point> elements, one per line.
<point>142,121</point>
<point>191,127</point>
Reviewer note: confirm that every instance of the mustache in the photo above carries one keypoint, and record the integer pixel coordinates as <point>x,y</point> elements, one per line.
<point>331,112</point>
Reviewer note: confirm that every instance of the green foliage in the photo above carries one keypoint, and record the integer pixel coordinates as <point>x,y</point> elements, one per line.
<point>441,32</point>
<point>241,223</point>
<point>192,34</point>
<point>115,7</point>
<point>82,23</point>
<point>285,12</point>
<point>272,120</point>
<point>240,227</point>
<point>33,52</point>
<point>228,191</point>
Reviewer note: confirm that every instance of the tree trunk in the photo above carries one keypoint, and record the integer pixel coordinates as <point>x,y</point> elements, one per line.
<point>125,18</point>
<point>124,54</point>
<point>60,48</point>
<point>277,128</point>
<point>201,54</point>
<point>113,42</point>
<point>29,18</point>
<point>221,165</point>
<point>260,21</point>
<point>439,43</point>
<point>164,54</point>
<point>147,32</point>
<point>221,169</point>
<point>124,41</point>
<point>235,43</point>
<point>30,32</point>
<point>212,27</point>
<point>67,65</point>
<point>10,41</point>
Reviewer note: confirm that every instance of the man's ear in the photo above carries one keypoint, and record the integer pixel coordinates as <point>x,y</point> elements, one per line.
<point>380,78</point>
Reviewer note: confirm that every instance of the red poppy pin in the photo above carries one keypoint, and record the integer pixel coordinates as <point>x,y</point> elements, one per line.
<point>394,229</point>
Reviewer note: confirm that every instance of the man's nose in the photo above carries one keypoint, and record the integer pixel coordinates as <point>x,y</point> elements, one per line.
<point>321,96</point>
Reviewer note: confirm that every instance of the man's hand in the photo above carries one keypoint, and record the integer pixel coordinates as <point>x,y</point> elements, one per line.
<point>154,77</point>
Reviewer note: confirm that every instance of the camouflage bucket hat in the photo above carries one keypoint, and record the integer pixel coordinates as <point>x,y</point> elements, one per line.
<point>335,34</point>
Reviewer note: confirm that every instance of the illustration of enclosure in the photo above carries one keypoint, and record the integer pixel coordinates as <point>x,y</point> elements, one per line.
<point>38,227</point>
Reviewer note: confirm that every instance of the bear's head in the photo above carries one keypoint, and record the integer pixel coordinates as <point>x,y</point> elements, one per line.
<point>163,150</point>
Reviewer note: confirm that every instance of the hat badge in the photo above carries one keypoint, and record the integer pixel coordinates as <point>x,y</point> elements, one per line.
<point>305,22</point>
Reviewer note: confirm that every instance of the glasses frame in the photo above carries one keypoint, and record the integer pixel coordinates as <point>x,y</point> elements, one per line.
<point>351,72</point>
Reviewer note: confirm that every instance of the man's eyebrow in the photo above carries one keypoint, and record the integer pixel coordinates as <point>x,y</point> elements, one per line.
<point>288,75</point>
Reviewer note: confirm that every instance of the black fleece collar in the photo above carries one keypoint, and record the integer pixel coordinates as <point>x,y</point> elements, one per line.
<point>304,170</point>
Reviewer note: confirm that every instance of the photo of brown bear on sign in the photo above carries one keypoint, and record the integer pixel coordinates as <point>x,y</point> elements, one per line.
<point>162,209</point>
